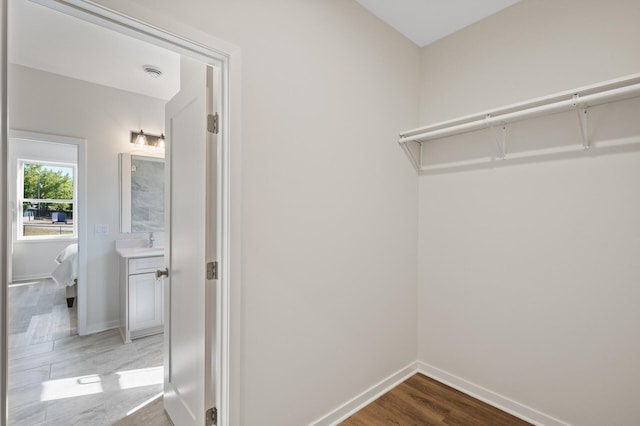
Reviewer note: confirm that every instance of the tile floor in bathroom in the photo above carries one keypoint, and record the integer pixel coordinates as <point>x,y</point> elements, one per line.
<point>57,377</point>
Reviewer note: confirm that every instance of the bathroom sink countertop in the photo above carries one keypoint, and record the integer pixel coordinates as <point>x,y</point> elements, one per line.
<point>132,252</point>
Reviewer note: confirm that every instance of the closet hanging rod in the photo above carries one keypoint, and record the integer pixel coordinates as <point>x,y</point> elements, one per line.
<point>624,88</point>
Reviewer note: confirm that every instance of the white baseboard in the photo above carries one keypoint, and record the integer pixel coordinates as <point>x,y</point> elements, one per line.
<point>365,398</point>
<point>501,402</point>
<point>494,399</point>
<point>103,326</point>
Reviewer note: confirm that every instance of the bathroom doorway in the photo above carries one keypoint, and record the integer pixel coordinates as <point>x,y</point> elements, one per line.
<point>100,229</point>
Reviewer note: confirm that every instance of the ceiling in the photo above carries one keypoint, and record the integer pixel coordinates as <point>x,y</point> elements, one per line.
<point>44,39</point>
<point>425,21</point>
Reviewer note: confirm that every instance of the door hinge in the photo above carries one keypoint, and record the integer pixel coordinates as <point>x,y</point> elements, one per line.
<point>213,123</point>
<point>212,270</point>
<point>212,416</point>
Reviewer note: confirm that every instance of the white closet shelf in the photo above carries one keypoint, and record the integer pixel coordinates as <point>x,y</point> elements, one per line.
<point>578,99</point>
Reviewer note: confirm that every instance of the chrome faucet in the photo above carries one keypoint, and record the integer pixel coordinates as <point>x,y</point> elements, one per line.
<point>151,240</point>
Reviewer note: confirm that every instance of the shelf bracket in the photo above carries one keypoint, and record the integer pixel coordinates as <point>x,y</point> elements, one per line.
<point>413,150</point>
<point>582,120</point>
<point>501,140</point>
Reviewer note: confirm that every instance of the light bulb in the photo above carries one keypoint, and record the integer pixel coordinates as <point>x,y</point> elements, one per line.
<point>141,139</point>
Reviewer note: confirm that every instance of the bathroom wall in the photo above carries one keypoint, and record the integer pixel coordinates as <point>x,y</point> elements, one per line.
<point>49,103</point>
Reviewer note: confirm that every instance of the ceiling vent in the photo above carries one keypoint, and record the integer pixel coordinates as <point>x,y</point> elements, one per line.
<point>152,71</point>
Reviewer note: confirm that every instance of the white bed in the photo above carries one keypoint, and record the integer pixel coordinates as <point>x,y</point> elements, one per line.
<point>66,273</point>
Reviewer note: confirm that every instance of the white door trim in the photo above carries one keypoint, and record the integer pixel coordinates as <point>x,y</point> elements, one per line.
<point>4,222</point>
<point>163,31</point>
<point>81,200</point>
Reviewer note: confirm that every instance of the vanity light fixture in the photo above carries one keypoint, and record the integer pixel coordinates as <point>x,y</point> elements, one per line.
<point>141,139</point>
<point>146,139</point>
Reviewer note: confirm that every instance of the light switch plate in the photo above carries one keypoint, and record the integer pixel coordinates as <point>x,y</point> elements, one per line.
<point>101,229</point>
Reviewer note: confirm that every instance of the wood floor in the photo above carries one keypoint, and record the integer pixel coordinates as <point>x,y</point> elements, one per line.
<point>424,401</point>
<point>59,378</point>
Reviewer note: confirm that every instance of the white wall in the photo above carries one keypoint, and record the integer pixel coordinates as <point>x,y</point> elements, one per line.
<point>528,268</point>
<point>328,200</point>
<point>35,259</point>
<point>531,49</point>
<point>48,103</point>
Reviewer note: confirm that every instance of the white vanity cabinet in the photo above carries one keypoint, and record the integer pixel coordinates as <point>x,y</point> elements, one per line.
<point>141,296</point>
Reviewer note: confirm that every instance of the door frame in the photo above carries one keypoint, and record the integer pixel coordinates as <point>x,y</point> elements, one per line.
<point>81,203</point>
<point>166,32</point>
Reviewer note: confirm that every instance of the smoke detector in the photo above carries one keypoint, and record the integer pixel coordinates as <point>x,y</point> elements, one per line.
<point>152,71</point>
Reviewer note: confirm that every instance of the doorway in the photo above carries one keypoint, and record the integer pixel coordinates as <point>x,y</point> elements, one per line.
<point>90,12</point>
<point>47,198</point>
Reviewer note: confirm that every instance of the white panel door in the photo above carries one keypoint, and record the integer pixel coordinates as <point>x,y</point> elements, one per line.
<point>189,296</point>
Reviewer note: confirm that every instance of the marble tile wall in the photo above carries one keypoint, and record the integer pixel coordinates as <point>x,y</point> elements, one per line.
<point>147,194</point>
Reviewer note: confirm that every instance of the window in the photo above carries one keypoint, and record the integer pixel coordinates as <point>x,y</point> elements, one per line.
<point>46,200</point>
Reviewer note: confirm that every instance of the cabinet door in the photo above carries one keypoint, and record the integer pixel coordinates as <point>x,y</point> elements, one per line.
<point>145,301</point>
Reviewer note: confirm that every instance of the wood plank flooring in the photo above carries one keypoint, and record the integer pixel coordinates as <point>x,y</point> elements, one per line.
<point>423,401</point>
<point>59,378</point>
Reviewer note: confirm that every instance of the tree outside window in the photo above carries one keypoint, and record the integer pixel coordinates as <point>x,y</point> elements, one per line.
<point>47,202</point>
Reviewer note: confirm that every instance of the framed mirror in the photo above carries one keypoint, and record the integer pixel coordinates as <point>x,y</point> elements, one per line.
<point>141,193</point>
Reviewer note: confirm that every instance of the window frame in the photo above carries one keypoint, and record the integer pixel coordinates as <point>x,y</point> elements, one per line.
<point>21,162</point>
